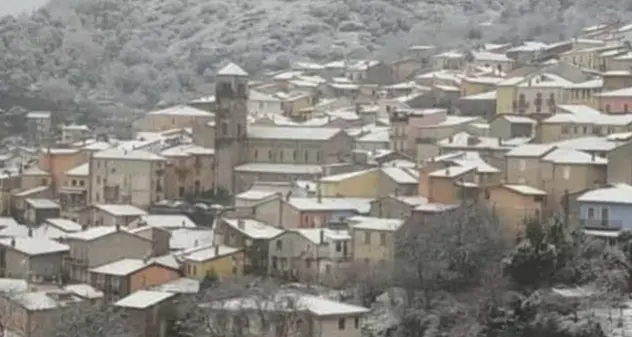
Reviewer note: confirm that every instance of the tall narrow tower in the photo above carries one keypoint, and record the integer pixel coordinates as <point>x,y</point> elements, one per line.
<point>231,96</point>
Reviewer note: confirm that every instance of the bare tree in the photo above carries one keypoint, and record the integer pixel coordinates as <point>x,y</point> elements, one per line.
<point>90,319</point>
<point>242,308</point>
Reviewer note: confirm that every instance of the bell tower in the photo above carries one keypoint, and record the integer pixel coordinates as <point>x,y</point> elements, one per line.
<point>231,97</point>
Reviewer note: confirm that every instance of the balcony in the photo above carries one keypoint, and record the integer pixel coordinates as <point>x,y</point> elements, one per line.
<point>601,224</point>
<point>69,260</point>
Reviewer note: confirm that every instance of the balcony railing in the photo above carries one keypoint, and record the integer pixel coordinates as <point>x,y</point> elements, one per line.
<point>601,224</point>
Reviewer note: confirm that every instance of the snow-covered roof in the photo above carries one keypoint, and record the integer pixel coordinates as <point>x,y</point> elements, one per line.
<point>530,150</point>
<point>143,299</point>
<point>401,175</point>
<point>490,95</point>
<point>231,69</point>
<point>183,285</point>
<point>375,224</point>
<point>186,150</point>
<point>524,189</point>
<point>360,205</point>
<point>590,84</point>
<point>34,246</point>
<point>125,267</point>
<point>489,56</point>
<point>255,95</point>
<point>625,92</point>
<point>518,119</point>
<point>181,110</point>
<point>589,143</point>
<point>254,229</point>
<point>7,222</point>
<point>41,203</point>
<point>164,221</point>
<point>124,154</point>
<point>84,290</point>
<point>279,168</point>
<point>347,175</point>
<point>120,209</point>
<point>451,172</point>
<point>45,299</point>
<point>206,253</point>
<point>92,233</point>
<point>64,224</point>
<point>292,133</point>
<point>82,170</point>
<point>317,306</point>
<point>314,234</point>
<point>38,115</point>
<point>616,194</point>
<point>466,140</point>
<point>75,127</point>
<point>254,194</point>
<point>569,156</point>
<point>411,200</point>
<point>186,238</point>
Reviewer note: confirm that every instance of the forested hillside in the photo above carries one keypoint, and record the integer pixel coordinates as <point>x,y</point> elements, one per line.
<point>139,52</point>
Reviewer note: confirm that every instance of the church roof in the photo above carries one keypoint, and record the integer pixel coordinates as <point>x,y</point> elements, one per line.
<point>232,69</point>
<point>294,133</point>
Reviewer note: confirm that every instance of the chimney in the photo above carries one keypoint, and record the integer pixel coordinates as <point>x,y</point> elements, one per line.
<point>118,227</point>
<point>196,243</point>
<point>241,223</point>
<point>216,250</point>
<point>322,236</point>
<point>12,242</point>
<point>30,231</point>
<point>450,139</point>
<point>184,223</point>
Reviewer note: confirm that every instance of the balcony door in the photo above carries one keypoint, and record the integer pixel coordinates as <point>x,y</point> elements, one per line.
<point>605,217</point>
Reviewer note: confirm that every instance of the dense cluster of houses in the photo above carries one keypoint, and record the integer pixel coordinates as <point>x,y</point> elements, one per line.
<point>324,163</point>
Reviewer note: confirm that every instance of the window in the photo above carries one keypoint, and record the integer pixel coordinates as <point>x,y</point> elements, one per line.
<point>625,108</point>
<point>607,108</point>
<point>281,155</point>
<point>367,238</point>
<point>356,322</point>
<point>238,131</point>
<point>591,213</point>
<point>294,155</point>
<point>341,324</point>
<point>98,180</point>
<point>565,129</point>
<point>97,197</point>
<point>173,121</point>
<point>74,182</point>
<point>269,154</point>
<point>256,154</point>
<point>113,170</point>
<point>522,164</point>
<point>306,156</point>
<point>318,156</point>
<point>224,128</point>
<point>308,263</point>
<point>566,173</point>
<point>585,129</point>
<point>382,239</point>
<point>82,183</point>
<point>181,191</point>
<point>279,245</point>
<point>338,246</point>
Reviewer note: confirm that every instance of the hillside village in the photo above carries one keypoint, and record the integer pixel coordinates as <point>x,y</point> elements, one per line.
<point>305,174</point>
